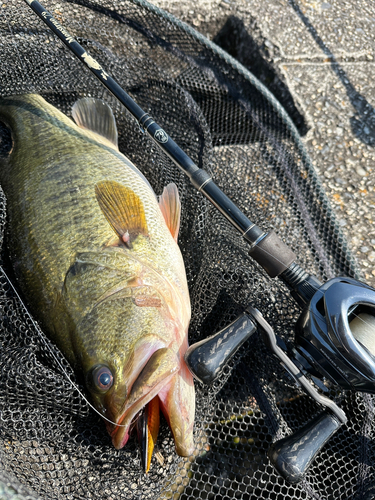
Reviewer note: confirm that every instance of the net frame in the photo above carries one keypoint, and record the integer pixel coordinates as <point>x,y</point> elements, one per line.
<point>326,249</point>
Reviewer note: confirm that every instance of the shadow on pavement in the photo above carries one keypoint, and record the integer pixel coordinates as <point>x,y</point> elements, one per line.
<point>255,53</point>
<point>363,121</point>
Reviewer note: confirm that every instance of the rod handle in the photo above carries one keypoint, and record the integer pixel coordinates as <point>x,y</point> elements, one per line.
<point>207,358</point>
<point>293,455</point>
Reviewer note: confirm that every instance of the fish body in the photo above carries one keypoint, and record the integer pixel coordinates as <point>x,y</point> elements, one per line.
<point>99,265</point>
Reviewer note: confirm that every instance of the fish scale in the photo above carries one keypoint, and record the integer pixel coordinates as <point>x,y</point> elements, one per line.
<point>123,306</point>
<point>84,215</point>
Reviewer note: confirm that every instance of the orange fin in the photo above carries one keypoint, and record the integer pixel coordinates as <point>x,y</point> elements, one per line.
<point>95,115</point>
<point>148,429</point>
<point>123,209</point>
<point>153,423</point>
<point>170,206</point>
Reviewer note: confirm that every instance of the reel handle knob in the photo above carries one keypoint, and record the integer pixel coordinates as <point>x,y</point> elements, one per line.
<point>207,358</point>
<point>293,455</point>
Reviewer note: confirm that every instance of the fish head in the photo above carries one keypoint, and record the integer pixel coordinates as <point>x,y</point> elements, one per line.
<point>131,354</point>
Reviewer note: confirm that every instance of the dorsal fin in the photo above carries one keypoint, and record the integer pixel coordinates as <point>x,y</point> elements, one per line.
<point>96,115</point>
<point>123,209</point>
<point>170,206</point>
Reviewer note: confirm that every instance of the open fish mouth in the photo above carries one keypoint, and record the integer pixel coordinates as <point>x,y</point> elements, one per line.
<point>155,376</point>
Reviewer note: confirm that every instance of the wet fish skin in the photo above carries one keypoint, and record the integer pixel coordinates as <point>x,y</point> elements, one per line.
<point>103,302</point>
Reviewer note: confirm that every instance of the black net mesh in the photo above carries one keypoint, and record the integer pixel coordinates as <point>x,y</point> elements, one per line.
<point>52,444</point>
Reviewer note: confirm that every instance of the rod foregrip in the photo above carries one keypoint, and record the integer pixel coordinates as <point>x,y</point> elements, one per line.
<point>207,358</point>
<point>293,455</point>
<point>272,254</point>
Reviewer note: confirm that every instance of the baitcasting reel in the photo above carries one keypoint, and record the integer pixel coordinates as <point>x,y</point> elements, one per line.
<point>335,335</point>
<point>335,340</point>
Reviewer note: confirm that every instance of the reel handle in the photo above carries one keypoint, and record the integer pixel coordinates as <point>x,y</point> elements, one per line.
<point>293,455</point>
<point>207,358</point>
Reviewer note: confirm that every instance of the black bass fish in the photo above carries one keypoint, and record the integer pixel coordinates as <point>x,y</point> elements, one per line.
<point>96,256</point>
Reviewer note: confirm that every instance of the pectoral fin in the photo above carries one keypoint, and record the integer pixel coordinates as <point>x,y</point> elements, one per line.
<point>170,206</point>
<point>123,209</point>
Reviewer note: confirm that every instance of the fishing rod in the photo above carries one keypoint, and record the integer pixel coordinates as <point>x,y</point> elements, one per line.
<point>337,319</point>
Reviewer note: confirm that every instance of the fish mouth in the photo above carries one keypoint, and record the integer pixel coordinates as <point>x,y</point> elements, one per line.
<point>157,373</point>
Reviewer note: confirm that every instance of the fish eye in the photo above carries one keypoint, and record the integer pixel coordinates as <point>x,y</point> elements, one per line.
<point>101,378</point>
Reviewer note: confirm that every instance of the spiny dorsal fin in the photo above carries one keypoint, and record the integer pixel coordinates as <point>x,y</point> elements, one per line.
<point>123,209</point>
<point>96,115</point>
<point>170,206</point>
